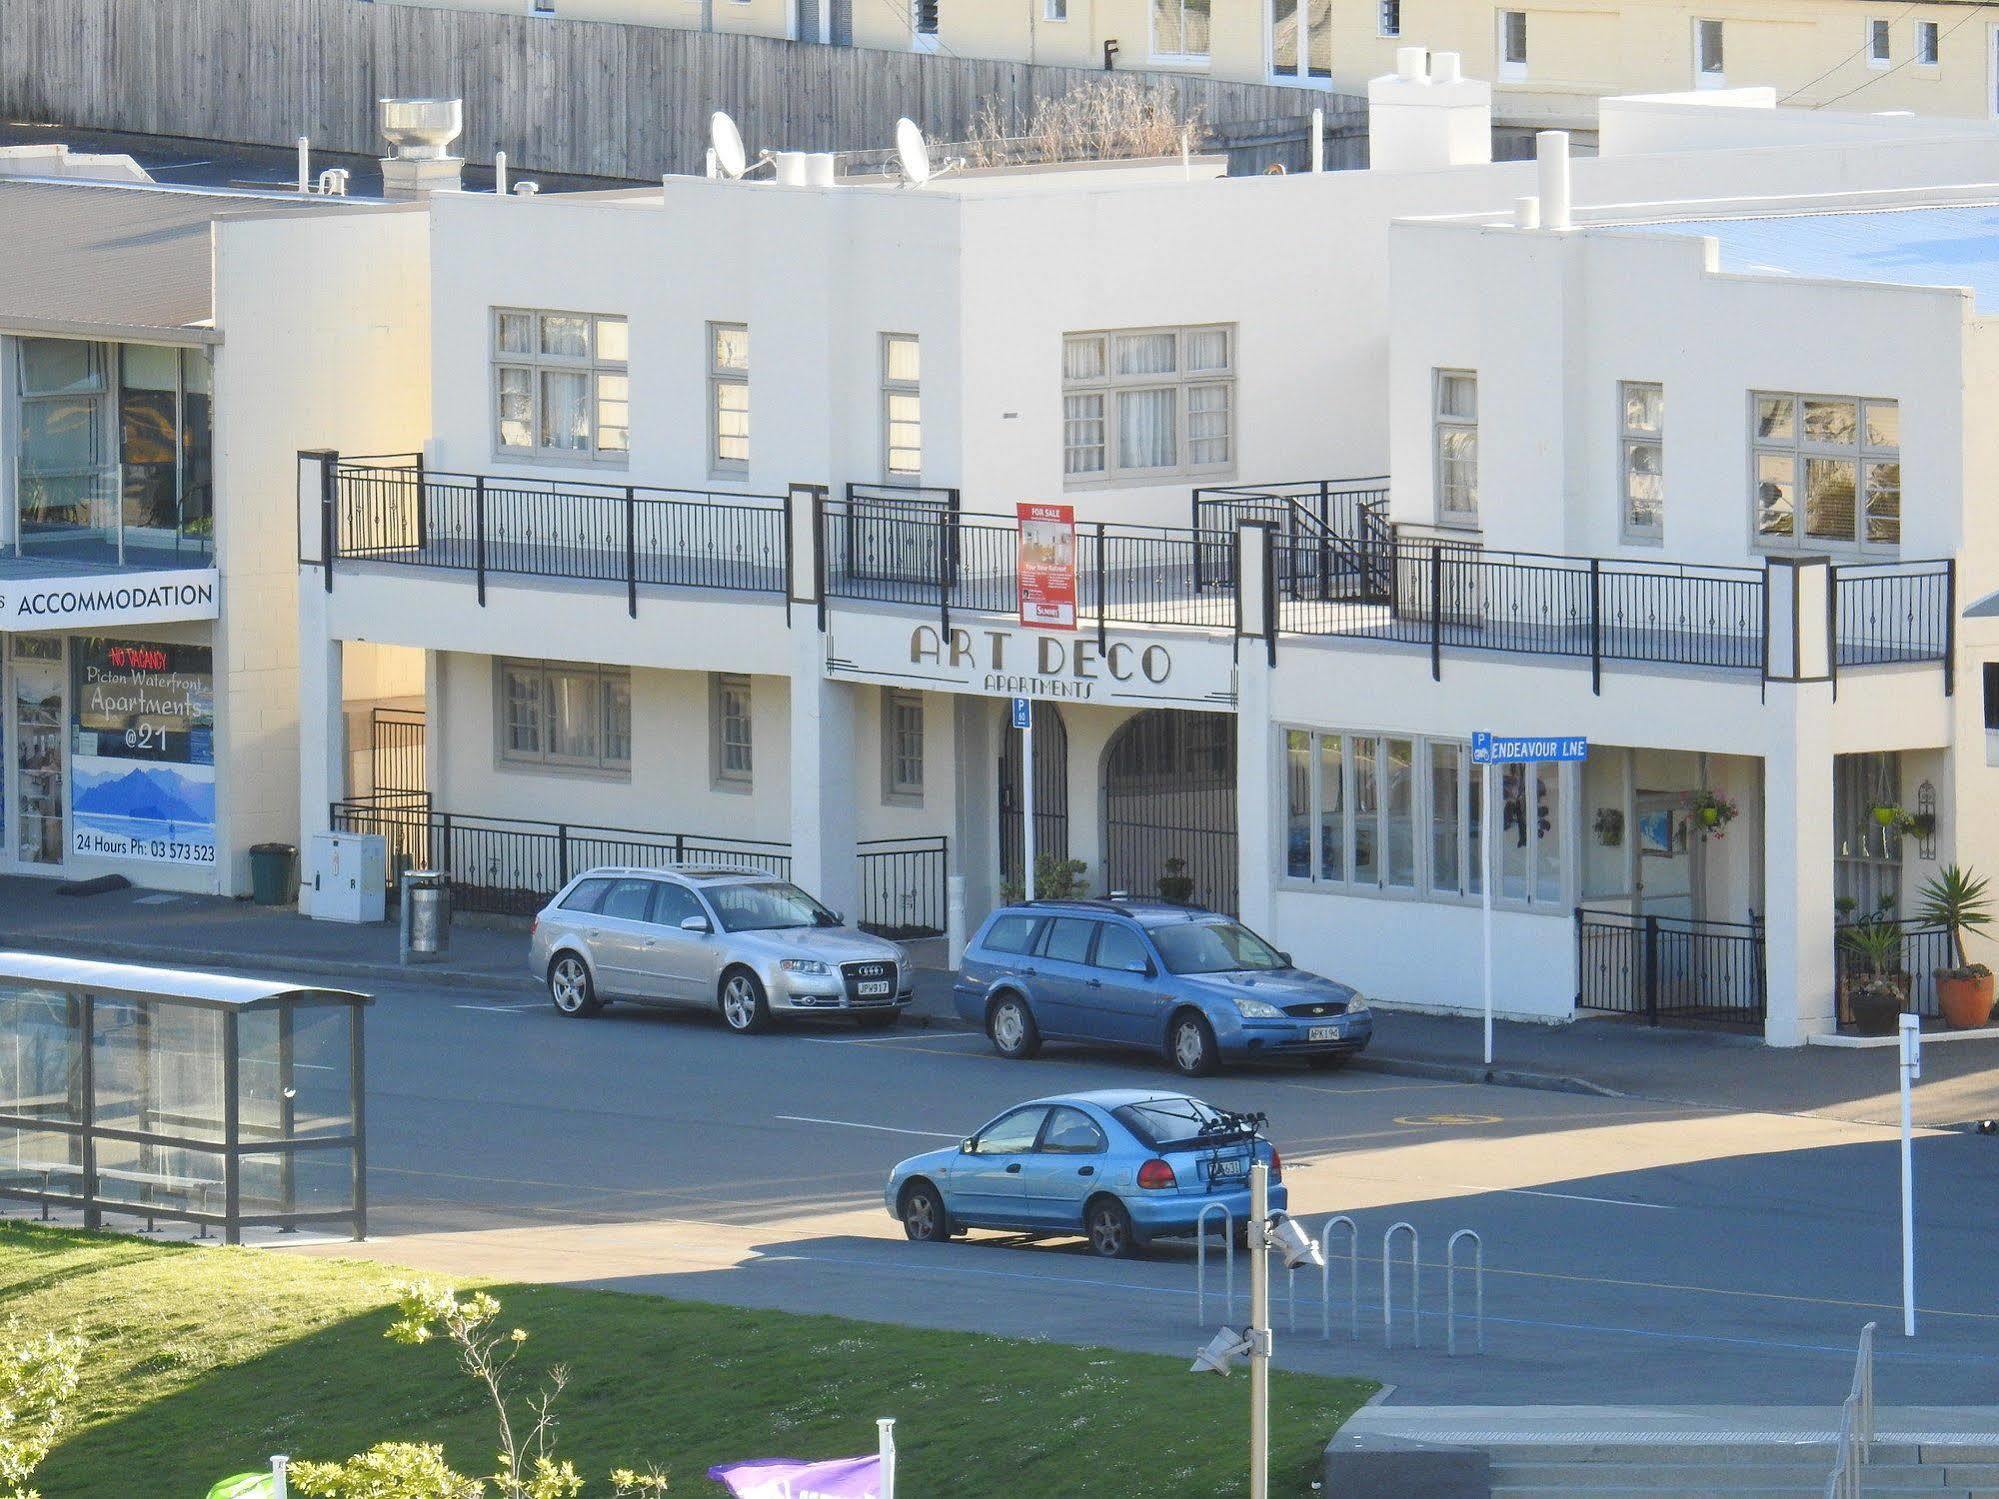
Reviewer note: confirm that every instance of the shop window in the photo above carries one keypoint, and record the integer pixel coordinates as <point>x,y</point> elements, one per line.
<point>565,716</point>
<point>561,386</point>
<point>732,747</point>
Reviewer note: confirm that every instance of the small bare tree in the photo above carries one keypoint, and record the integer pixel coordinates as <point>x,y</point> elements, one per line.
<point>1116,119</point>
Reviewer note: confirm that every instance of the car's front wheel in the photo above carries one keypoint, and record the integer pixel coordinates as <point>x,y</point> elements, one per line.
<point>1109,1228</point>
<point>1192,1045</point>
<point>924,1220</point>
<point>744,1008</point>
<point>570,987</point>
<point>1010,1026</point>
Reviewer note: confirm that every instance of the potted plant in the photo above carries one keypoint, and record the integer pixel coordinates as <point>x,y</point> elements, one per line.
<point>1875,990</point>
<point>1711,811</point>
<point>1887,814</point>
<point>1054,879</point>
<point>1956,900</point>
<point>1176,886</point>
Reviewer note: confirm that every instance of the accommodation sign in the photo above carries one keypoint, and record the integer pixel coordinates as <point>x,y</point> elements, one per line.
<point>1004,660</point>
<point>135,598</point>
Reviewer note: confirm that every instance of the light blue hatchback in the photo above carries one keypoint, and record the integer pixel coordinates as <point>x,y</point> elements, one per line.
<point>1200,987</point>
<point>1122,1167</point>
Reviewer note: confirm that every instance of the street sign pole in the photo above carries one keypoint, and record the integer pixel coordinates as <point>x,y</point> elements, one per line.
<point>1259,1332</point>
<point>1911,1067</point>
<point>1485,894</point>
<point>1023,719</point>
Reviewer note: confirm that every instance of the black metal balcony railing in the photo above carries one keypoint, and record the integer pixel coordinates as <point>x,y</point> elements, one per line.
<point>511,865</point>
<point>1323,519</point>
<point>629,534</point>
<point>1888,613</point>
<point>1670,967</point>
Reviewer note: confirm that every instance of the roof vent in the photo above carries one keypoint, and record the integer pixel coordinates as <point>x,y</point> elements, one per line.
<point>421,131</point>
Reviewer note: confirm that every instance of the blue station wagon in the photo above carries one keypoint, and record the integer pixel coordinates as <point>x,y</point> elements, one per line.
<point>1199,987</point>
<point>1121,1167</point>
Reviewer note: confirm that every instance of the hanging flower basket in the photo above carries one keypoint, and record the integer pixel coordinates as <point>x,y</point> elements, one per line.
<point>1711,812</point>
<point>1888,815</point>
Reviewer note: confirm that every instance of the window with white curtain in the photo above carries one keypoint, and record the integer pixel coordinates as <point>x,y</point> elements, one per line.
<point>1371,813</point>
<point>1456,424</point>
<point>1827,472</point>
<point>553,713</point>
<point>1144,403</point>
<point>732,746</point>
<point>902,408</point>
<point>728,399</point>
<point>1642,417</point>
<point>561,386</point>
<point>1180,30</point>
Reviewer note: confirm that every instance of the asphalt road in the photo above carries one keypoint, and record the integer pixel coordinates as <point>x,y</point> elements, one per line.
<point>1636,1252</point>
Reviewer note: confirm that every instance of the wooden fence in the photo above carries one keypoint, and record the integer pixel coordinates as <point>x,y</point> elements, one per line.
<point>593,98</point>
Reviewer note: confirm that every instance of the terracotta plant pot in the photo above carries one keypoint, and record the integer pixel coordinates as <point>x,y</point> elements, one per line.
<point>1875,1006</point>
<point>1965,1002</point>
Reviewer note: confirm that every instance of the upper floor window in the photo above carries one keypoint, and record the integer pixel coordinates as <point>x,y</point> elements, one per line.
<point>560,386</point>
<point>1926,44</point>
<point>555,713</point>
<point>923,19</point>
<point>1642,419</point>
<point>1710,64</point>
<point>1148,402</point>
<point>1457,447</point>
<point>1513,44</point>
<point>728,399</point>
<point>1878,48</point>
<point>1388,17</point>
<point>1180,30</point>
<point>902,407</point>
<point>1827,471</point>
<point>1055,10</point>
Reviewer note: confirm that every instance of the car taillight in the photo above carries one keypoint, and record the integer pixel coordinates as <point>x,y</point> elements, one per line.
<point>1157,1174</point>
<point>1276,1165</point>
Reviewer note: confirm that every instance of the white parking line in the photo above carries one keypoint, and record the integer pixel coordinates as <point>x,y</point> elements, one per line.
<point>1609,1202</point>
<point>500,1009</point>
<point>887,1129</point>
<point>884,1040</point>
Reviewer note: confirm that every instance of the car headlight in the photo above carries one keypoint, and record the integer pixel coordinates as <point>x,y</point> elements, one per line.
<point>1357,1005</point>
<point>803,965</point>
<point>1256,1009</point>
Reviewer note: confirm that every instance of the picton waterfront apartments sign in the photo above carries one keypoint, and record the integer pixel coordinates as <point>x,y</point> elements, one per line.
<point>149,598</point>
<point>1004,660</point>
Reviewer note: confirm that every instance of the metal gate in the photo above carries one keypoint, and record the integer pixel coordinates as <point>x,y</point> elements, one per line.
<point>1051,793</point>
<point>395,750</point>
<point>1170,794</point>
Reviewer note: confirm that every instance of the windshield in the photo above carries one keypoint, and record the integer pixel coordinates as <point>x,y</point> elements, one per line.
<point>767,907</point>
<point>1213,947</point>
<point>1166,1122</point>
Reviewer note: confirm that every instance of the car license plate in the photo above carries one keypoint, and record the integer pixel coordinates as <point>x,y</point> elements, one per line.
<point>874,990</point>
<point>1323,1033</point>
<point>1220,1171</point>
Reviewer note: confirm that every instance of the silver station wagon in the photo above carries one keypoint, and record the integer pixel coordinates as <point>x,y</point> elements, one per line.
<point>712,936</point>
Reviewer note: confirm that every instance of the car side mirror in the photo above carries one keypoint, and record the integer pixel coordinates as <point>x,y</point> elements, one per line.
<point>695,924</point>
<point>1285,959</point>
<point>1141,966</point>
<point>964,1147</point>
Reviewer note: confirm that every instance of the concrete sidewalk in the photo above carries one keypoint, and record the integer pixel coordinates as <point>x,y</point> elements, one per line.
<point>1709,1069</point>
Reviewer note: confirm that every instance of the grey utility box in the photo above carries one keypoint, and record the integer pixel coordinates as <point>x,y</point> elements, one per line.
<point>426,916</point>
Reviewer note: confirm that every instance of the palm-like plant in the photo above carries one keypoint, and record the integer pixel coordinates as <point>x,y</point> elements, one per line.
<point>1877,944</point>
<point>1956,900</point>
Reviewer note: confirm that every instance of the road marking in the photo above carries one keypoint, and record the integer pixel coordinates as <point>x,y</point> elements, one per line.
<point>1448,1119</point>
<point>1609,1202</point>
<point>887,1129</point>
<point>500,1009</point>
<point>877,1040</point>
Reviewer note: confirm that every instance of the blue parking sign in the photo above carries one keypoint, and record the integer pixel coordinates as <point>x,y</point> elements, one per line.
<point>1023,712</point>
<point>1494,749</point>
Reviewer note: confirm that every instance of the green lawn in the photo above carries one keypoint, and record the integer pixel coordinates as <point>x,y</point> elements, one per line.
<point>206,1360</point>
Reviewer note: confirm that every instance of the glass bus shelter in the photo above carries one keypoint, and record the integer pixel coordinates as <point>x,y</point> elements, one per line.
<point>160,1094</point>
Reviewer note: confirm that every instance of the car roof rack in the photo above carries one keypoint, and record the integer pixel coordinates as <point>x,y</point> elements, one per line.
<point>697,868</point>
<point>1123,905</point>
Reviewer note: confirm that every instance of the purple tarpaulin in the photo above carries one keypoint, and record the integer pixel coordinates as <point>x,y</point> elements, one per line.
<point>786,1478</point>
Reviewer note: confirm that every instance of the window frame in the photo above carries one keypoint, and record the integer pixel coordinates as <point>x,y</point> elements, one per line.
<point>1178,59</point>
<point>1628,439</point>
<point>892,388</point>
<point>1441,423</point>
<point>1510,68</point>
<point>1934,33</point>
<point>1181,382</point>
<point>925,19</point>
<point>898,789</point>
<point>537,364</point>
<point>1383,10</point>
<point>1302,73</point>
<point>1880,42</point>
<point>1055,10</point>
<point>721,377</point>
<point>1863,455</point>
<point>723,775</point>
<point>604,685</point>
<point>1704,76</point>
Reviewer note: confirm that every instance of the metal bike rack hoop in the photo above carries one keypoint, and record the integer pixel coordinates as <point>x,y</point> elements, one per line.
<point>1388,1286</point>
<point>1201,1259</point>
<point>1451,1290</point>
<point>1326,1274</point>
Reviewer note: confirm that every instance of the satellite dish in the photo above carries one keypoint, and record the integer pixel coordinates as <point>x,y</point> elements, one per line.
<point>728,143</point>
<point>911,152</point>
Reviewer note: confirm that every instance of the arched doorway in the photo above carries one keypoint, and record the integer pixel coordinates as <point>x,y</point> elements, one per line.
<point>1169,793</point>
<point>1051,793</point>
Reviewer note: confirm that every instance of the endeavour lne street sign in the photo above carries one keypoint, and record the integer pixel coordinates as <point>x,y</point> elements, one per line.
<point>1492,749</point>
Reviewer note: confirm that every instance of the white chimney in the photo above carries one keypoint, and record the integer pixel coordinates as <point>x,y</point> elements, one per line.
<point>1419,119</point>
<point>421,130</point>
<point>1551,157</point>
<point>1526,213</point>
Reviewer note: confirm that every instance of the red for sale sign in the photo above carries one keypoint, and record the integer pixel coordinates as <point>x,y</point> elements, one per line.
<point>1047,568</point>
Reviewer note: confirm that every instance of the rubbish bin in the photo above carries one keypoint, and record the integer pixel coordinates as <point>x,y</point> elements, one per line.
<point>273,873</point>
<point>426,916</point>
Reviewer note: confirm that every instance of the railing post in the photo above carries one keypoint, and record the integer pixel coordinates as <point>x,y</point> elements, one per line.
<point>1596,626</point>
<point>422,508</point>
<point>1649,964</point>
<point>329,511</point>
<point>1950,627</point>
<point>479,533</point>
<point>1194,514</point>
<point>631,551</point>
<point>1325,539</point>
<point>1436,612</point>
<point>444,836</point>
<point>561,854</point>
<point>1104,585</point>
